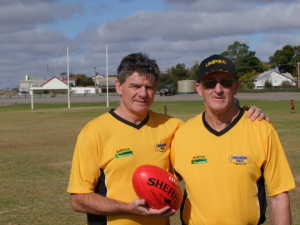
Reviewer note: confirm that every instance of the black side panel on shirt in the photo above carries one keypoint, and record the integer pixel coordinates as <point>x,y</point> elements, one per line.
<point>262,198</point>
<point>185,195</point>
<point>101,190</point>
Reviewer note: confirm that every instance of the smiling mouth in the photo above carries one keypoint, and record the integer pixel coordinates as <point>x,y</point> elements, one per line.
<point>142,102</point>
<point>219,98</point>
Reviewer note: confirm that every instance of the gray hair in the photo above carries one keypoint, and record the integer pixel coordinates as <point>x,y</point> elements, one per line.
<point>138,62</point>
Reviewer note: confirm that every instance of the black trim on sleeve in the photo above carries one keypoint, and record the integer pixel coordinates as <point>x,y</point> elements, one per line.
<point>185,196</point>
<point>139,126</point>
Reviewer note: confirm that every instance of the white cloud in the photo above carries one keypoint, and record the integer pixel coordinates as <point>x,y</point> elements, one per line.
<point>184,32</point>
<point>20,16</point>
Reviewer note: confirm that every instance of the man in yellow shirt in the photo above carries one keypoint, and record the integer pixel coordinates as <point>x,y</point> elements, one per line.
<point>226,160</point>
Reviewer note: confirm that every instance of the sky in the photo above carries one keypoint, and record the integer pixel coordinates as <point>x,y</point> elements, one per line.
<point>35,34</point>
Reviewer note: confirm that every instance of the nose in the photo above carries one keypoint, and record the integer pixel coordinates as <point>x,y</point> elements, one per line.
<point>143,92</point>
<point>218,88</point>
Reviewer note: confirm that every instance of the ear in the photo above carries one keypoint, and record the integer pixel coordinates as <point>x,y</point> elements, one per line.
<point>198,87</point>
<point>118,87</point>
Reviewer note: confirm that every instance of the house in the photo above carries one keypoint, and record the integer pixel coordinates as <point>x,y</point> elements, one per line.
<point>72,80</point>
<point>27,81</point>
<point>83,90</point>
<point>273,77</point>
<point>102,84</point>
<point>52,86</point>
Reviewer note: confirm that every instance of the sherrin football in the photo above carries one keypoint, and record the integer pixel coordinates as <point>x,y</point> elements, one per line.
<point>157,186</point>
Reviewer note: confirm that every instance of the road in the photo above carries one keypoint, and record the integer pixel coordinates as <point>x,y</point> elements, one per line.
<point>272,96</point>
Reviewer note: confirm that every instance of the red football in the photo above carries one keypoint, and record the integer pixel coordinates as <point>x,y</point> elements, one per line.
<point>157,186</point>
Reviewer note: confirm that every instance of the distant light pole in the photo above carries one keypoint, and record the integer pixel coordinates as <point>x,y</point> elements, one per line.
<point>298,74</point>
<point>47,72</point>
<point>68,77</point>
<point>107,101</point>
<point>95,73</point>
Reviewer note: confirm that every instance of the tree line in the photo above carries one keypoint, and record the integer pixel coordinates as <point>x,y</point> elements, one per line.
<point>247,66</point>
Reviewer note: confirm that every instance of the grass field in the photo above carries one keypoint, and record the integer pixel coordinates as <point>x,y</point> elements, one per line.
<point>36,148</point>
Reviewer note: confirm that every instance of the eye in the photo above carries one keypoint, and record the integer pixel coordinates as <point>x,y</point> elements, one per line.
<point>149,87</point>
<point>134,86</point>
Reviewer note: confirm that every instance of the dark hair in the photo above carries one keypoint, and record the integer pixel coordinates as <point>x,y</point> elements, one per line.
<point>138,62</point>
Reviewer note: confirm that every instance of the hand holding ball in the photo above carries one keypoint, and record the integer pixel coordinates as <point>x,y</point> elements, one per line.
<point>157,186</point>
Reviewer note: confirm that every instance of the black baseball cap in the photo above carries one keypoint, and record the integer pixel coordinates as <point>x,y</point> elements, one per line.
<point>216,63</point>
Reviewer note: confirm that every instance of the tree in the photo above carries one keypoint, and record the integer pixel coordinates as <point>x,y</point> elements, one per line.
<point>265,66</point>
<point>83,80</point>
<point>63,74</point>
<point>174,75</point>
<point>166,79</point>
<point>179,72</point>
<point>244,60</point>
<point>236,51</point>
<point>246,80</point>
<point>286,59</point>
<point>193,72</point>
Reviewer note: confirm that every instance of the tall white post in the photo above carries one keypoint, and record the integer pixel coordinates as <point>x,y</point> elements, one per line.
<point>68,77</point>
<point>31,95</point>
<point>107,102</point>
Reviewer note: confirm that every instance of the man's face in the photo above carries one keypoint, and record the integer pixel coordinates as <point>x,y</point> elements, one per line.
<point>218,97</point>
<point>137,93</point>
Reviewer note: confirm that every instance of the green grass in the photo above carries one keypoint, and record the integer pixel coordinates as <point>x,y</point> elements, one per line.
<point>36,148</point>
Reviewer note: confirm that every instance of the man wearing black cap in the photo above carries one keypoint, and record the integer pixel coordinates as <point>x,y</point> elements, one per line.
<point>226,171</point>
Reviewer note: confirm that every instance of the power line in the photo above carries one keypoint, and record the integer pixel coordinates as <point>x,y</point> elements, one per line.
<point>270,65</point>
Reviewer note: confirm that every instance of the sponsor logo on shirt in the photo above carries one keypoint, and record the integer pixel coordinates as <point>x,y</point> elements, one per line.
<point>123,152</point>
<point>199,159</point>
<point>239,159</point>
<point>161,147</point>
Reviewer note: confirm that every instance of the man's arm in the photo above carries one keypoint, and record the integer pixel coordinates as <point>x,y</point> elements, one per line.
<point>280,209</point>
<point>93,203</point>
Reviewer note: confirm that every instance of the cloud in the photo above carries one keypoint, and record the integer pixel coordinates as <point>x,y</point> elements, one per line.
<point>26,2</point>
<point>173,37</point>
<point>21,16</point>
<point>100,8</point>
<point>180,25</point>
<point>182,32</point>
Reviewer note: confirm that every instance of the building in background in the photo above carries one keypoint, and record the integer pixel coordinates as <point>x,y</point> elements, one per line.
<point>278,80</point>
<point>53,86</point>
<point>83,90</point>
<point>27,81</point>
<point>101,84</point>
<point>72,81</point>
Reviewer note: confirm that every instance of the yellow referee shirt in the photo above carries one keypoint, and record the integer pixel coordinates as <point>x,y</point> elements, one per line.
<point>226,172</point>
<point>108,151</point>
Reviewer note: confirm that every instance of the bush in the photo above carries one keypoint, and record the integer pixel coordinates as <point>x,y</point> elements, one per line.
<point>268,84</point>
<point>286,84</point>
